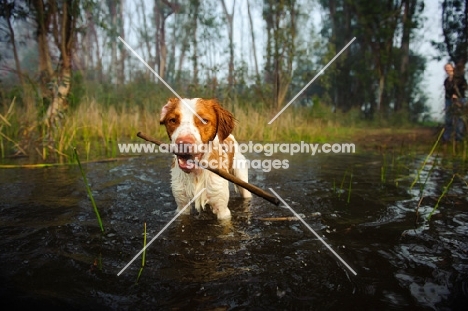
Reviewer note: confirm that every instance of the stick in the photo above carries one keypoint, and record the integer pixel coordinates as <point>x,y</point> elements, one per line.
<point>292,218</point>
<point>254,189</point>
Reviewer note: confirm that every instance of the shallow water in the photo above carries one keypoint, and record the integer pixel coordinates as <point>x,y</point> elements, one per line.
<point>53,254</point>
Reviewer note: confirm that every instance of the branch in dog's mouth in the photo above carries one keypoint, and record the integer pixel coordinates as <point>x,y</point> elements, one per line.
<point>254,189</point>
<point>187,161</point>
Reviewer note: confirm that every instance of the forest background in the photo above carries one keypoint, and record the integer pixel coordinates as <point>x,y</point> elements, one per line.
<point>67,80</point>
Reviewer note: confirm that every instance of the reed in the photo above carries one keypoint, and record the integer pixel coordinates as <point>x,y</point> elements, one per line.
<point>88,189</point>
<point>143,258</point>
<point>426,159</point>
<point>423,186</point>
<point>383,169</point>
<point>349,187</point>
<point>446,189</point>
<point>342,183</point>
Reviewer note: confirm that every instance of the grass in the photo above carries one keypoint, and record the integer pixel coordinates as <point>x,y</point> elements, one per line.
<point>88,189</point>
<point>426,159</point>
<point>143,258</point>
<point>96,125</point>
<point>444,192</point>
<point>341,190</point>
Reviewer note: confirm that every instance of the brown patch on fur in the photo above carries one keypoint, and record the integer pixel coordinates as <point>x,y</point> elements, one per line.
<point>230,152</point>
<point>223,156</point>
<point>170,116</point>
<point>205,108</point>
<point>221,160</point>
<point>210,109</point>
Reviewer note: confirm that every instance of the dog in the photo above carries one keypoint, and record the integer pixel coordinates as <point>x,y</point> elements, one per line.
<point>200,129</point>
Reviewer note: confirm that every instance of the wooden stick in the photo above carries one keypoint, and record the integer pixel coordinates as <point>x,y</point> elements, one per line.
<point>254,189</point>
<point>291,218</point>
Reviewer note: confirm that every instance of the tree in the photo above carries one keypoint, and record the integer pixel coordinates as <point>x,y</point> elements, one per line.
<point>379,21</point>
<point>455,31</point>
<point>375,71</point>
<point>410,9</point>
<point>58,19</point>
<point>230,24</point>
<point>162,10</point>
<point>281,26</point>
<point>13,10</point>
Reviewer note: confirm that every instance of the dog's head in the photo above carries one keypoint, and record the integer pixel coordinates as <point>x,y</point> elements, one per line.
<point>195,122</point>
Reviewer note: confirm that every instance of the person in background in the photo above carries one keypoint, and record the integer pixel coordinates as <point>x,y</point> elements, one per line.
<point>455,86</point>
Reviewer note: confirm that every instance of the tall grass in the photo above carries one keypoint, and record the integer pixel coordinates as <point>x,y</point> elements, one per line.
<point>426,159</point>
<point>97,128</point>
<point>103,116</point>
<point>88,190</point>
<point>143,257</point>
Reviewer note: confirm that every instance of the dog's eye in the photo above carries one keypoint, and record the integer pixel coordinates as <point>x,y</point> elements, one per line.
<point>206,121</point>
<point>172,120</point>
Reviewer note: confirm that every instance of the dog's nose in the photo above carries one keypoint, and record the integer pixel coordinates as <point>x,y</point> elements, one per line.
<point>185,144</point>
<point>185,140</point>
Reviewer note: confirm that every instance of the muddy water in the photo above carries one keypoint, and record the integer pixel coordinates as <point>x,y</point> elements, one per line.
<point>52,253</point>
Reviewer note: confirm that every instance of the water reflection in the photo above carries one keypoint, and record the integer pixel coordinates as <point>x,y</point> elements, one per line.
<point>260,259</point>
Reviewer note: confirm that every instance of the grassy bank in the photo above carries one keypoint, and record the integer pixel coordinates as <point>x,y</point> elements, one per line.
<point>94,127</point>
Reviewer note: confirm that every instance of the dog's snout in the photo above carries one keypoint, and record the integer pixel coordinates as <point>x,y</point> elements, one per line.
<point>185,140</point>
<point>185,144</point>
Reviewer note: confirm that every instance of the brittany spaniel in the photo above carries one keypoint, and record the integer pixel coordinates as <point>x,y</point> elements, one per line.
<point>201,129</point>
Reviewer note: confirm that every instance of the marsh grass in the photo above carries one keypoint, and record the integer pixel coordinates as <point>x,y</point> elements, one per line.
<point>444,192</point>
<point>349,187</point>
<point>342,185</point>
<point>143,258</point>
<point>416,179</point>
<point>97,127</point>
<point>88,190</point>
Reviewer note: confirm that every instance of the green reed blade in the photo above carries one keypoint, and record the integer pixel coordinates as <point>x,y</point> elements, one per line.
<point>143,258</point>
<point>349,188</point>
<point>446,189</point>
<point>427,157</point>
<point>342,183</point>
<point>88,189</point>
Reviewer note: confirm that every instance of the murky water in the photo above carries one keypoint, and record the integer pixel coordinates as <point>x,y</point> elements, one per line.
<point>53,254</point>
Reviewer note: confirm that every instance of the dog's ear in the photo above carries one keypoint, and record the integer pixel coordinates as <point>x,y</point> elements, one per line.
<point>226,121</point>
<point>167,107</point>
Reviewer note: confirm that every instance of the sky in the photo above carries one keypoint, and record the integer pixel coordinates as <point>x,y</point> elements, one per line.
<point>434,75</point>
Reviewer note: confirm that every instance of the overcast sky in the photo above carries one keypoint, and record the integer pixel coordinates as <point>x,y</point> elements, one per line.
<point>435,75</point>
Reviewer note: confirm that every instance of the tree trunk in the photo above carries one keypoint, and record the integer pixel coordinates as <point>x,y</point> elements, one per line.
<point>45,64</point>
<point>196,5</point>
<point>402,100</point>
<point>113,23</point>
<point>13,42</point>
<point>254,46</point>
<point>62,82</point>
<point>230,24</point>
<point>122,50</point>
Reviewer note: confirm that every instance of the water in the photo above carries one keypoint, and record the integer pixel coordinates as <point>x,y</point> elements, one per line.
<point>53,254</point>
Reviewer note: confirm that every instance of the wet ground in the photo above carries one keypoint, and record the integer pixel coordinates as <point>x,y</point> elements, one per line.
<point>53,255</point>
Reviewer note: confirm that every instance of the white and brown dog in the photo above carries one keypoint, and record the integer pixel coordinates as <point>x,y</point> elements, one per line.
<point>211,128</point>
